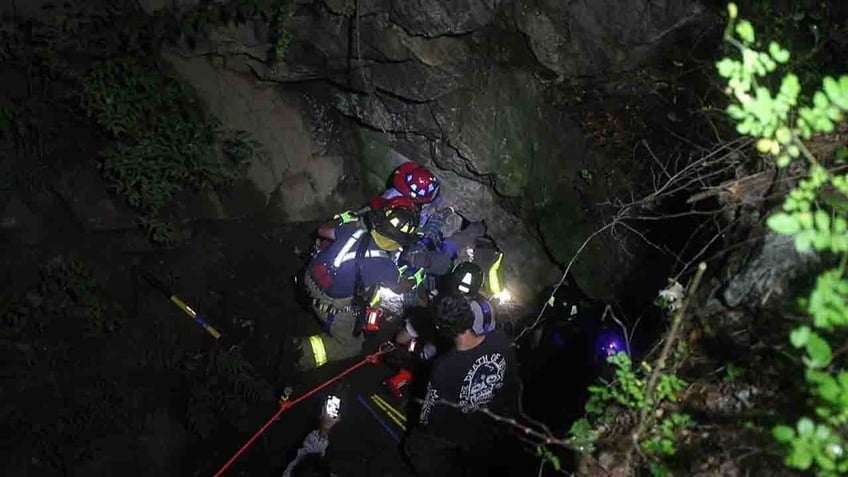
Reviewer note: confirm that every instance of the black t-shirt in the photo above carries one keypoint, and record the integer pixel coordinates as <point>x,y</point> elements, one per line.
<point>484,376</point>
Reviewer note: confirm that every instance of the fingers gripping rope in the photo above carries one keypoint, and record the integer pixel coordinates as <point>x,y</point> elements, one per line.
<point>285,405</point>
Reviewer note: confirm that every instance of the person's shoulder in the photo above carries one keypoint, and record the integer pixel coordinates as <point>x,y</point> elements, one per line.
<point>343,229</point>
<point>443,361</point>
<point>498,339</point>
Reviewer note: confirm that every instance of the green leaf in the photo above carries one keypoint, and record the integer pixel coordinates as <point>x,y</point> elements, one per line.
<point>726,67</point>
<point>783,135</point>
<point>783,433</point>
<point>801,458</point>
<point>799,336</point>
<point>840,226</point>
<point>783,223</point>
<point>805,426</point>
<point>732,10</point>
<point>779,54</point>
<point>822,220</point>
<point>829,390</point>
<point>819,350</point>
<point>783,160</point>
<point>820,100</point>
<point>790,86</point>
<point>824,124</point>
<point>834,114</point>
<point>745,31</point>
<point>834,93</point>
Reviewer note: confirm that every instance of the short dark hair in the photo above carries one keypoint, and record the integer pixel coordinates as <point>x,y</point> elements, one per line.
<point>453,315</point>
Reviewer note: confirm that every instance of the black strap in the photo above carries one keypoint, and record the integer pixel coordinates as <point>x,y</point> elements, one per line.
<point>358,302</point>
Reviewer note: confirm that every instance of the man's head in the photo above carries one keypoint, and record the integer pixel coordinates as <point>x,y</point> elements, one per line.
<point>453,316</point>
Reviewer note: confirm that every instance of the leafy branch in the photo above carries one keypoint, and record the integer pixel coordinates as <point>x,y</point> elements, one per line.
<point>815,215</point>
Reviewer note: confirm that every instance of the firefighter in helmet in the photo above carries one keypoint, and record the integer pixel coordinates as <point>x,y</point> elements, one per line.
<point>340,278</point>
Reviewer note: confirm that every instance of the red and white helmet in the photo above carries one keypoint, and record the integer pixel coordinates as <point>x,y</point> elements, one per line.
<point>415,182</point>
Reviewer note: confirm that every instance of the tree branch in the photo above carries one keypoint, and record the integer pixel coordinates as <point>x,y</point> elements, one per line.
<point>647,413</point>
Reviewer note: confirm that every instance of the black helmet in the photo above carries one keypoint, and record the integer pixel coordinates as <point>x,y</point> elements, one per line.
<point>466,278</point>
<point>396,223</point>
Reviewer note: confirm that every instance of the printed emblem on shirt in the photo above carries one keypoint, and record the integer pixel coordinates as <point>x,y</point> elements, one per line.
<point>482,380</point>
<point>429,401</point>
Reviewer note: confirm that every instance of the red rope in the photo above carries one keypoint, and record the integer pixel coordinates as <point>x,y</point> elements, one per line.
<point>285,405</point>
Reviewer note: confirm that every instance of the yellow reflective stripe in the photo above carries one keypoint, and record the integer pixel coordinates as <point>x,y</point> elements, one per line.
<point>375,299</point>
<point>318,351</point>
<point>494,280</point>
<point>187,309</point>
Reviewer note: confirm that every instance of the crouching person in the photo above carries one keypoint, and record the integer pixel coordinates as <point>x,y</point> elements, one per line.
<point>341,278</point>
<point>451,438</point>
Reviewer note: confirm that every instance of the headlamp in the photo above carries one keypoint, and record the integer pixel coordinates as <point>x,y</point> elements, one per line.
<point>504,296</point>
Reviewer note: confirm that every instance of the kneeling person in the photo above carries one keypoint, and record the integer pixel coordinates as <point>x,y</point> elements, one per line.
<point>340,278</point>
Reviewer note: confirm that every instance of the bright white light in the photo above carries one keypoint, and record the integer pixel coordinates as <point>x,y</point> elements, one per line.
<point>388,294</point>
<point>503,296</point>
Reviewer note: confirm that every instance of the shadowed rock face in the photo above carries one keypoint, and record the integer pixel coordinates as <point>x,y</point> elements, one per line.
<point>459,86</point>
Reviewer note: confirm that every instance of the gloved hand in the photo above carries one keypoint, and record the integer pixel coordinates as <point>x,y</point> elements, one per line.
<point>433,262</point>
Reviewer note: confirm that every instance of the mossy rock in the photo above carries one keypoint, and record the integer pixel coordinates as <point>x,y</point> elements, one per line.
<point>564,227</point>
<point>376,162</point>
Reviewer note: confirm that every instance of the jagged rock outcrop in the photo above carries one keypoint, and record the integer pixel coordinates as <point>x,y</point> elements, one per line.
<point>460,86</point>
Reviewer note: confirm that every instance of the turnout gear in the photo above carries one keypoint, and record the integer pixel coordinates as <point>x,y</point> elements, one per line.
<point>338,321</point>
<point>339,279</point>
<point>415,182</point>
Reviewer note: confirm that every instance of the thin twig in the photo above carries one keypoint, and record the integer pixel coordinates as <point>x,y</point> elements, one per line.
<point>648,411</point>
<point>562,279</point>
<point>608,311</point>
<point>542,438</point>
<point>654,157</point>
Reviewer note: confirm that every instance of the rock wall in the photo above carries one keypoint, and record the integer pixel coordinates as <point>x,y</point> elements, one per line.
<point>460,86</point>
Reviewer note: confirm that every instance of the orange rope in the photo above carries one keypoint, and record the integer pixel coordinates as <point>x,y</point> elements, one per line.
<point>285,405</point>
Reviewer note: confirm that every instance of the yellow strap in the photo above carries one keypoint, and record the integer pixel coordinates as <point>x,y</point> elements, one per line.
<point>390,415</point>
<point>187,309</point>
<point>212,331</point>
<point>494,280</point>
<point>389,407</point>
<point>318,351</point>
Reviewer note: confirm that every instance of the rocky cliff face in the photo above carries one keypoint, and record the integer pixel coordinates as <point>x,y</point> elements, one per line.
<point>460,86</point>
